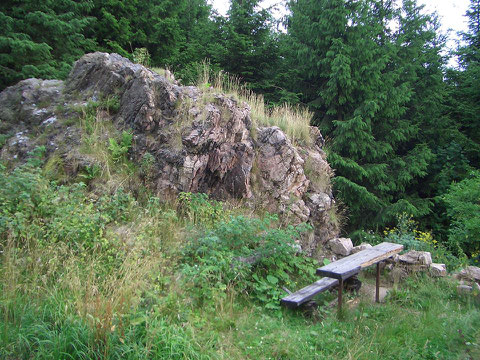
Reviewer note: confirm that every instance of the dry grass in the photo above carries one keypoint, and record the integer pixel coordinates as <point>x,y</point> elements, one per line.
<point>293,120</point>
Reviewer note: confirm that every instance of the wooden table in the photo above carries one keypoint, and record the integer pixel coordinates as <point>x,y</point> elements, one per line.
<point>351,265</point>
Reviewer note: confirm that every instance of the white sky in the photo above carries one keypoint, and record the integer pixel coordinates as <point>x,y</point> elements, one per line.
<point>451,13</point>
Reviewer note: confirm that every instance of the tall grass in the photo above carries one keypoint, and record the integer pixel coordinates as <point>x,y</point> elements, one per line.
<point>293,120</point>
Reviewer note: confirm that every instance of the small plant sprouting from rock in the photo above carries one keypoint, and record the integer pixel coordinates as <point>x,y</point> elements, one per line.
<point>119,149</point>
<point>146,166</point>
<point>91,172</point>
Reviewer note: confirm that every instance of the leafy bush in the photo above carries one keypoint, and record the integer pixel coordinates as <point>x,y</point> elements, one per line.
<point>407,234</point>
<point>32,208</point>
<point>463,208</point>
<point>246,255</point>
<point>201,210</point>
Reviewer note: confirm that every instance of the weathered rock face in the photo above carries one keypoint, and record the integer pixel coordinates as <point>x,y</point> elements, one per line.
<point>200,142</point>
<point>469,273</point>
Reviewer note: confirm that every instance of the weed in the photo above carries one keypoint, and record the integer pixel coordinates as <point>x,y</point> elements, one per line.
<point>3,139</point>
<point>120,149</point>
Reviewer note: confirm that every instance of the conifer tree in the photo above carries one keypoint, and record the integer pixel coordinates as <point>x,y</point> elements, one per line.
<point>249,47</point>
<point>465,89</point>
<point>42,38</point>
<point>357,75</point>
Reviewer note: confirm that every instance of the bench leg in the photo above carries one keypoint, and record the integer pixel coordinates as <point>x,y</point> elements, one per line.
<point>377,293</point>
<point>340,293</point>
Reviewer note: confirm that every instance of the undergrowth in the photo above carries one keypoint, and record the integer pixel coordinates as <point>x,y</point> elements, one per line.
<point>109,276</point>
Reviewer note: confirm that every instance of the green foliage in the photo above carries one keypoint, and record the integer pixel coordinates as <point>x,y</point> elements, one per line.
<point>42,39</point>
<point>463,208</point>
<point>110,104</point>
<point>248,45</point>
<point>3,139</point>
<point>34,209</point>
<point>98,275</point>
<point>406,233</point>
<point>349,61</point>
<point>91,172</point>
<point>200,210</point>
<point>120,149</point>
<point>246,255</point>
<point>142,56</point>
<point>147,164</point>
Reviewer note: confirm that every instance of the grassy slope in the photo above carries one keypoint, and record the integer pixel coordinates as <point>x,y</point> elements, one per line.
<point>90,272</point>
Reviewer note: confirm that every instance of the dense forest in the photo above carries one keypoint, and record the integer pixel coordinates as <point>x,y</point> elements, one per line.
<point>401,125</point>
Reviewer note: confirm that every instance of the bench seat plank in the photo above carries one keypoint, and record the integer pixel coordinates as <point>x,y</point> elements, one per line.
<point>350,265</point>
<point>303,295</point>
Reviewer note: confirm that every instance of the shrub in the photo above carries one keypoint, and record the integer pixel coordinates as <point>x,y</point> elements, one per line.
<point>246,255</point>
<point>407,234</point>
<point>201,210</point>
<point>463,208</point>
<point>33,208</point>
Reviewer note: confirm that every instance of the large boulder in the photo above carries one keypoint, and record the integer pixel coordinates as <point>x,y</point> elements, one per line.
<point>200,141</point>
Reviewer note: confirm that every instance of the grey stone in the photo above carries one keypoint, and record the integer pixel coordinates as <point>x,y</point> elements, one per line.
<point>361,247</point>
<point>469,273</point>
<point>414,257</point>
<point>438,270</point>
<point>464,289</point>
<point>341,246</point>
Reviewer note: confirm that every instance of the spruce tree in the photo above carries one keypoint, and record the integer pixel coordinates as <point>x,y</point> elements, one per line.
<point>357,75</point>
<point>465,89</point>
<point>249,47</point>
<point>42,38</point>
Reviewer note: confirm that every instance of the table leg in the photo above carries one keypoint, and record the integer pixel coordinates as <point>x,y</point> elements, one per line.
<point>340,293</point>
<point>377,293</point>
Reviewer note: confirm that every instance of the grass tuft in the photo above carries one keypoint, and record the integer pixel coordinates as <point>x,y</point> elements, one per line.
<point>293,120</point>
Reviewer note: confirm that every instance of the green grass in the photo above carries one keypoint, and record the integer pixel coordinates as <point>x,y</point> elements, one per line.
<point>103,276</point>
<point>424,320</point>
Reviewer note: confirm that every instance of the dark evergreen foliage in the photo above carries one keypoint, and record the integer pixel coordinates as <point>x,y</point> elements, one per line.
<point>42,38</point>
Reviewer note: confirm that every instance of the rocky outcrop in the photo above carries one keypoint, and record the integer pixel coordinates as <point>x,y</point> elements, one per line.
<point>199,141</point>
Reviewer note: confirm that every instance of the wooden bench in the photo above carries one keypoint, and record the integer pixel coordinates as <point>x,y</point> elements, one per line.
<point>303,295</point>
<point>338,271</point>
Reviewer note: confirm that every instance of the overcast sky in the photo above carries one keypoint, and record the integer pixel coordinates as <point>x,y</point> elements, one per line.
<point>451,13</point>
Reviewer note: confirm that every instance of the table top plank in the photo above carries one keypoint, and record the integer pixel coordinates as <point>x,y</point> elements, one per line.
<point>352,264</point>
